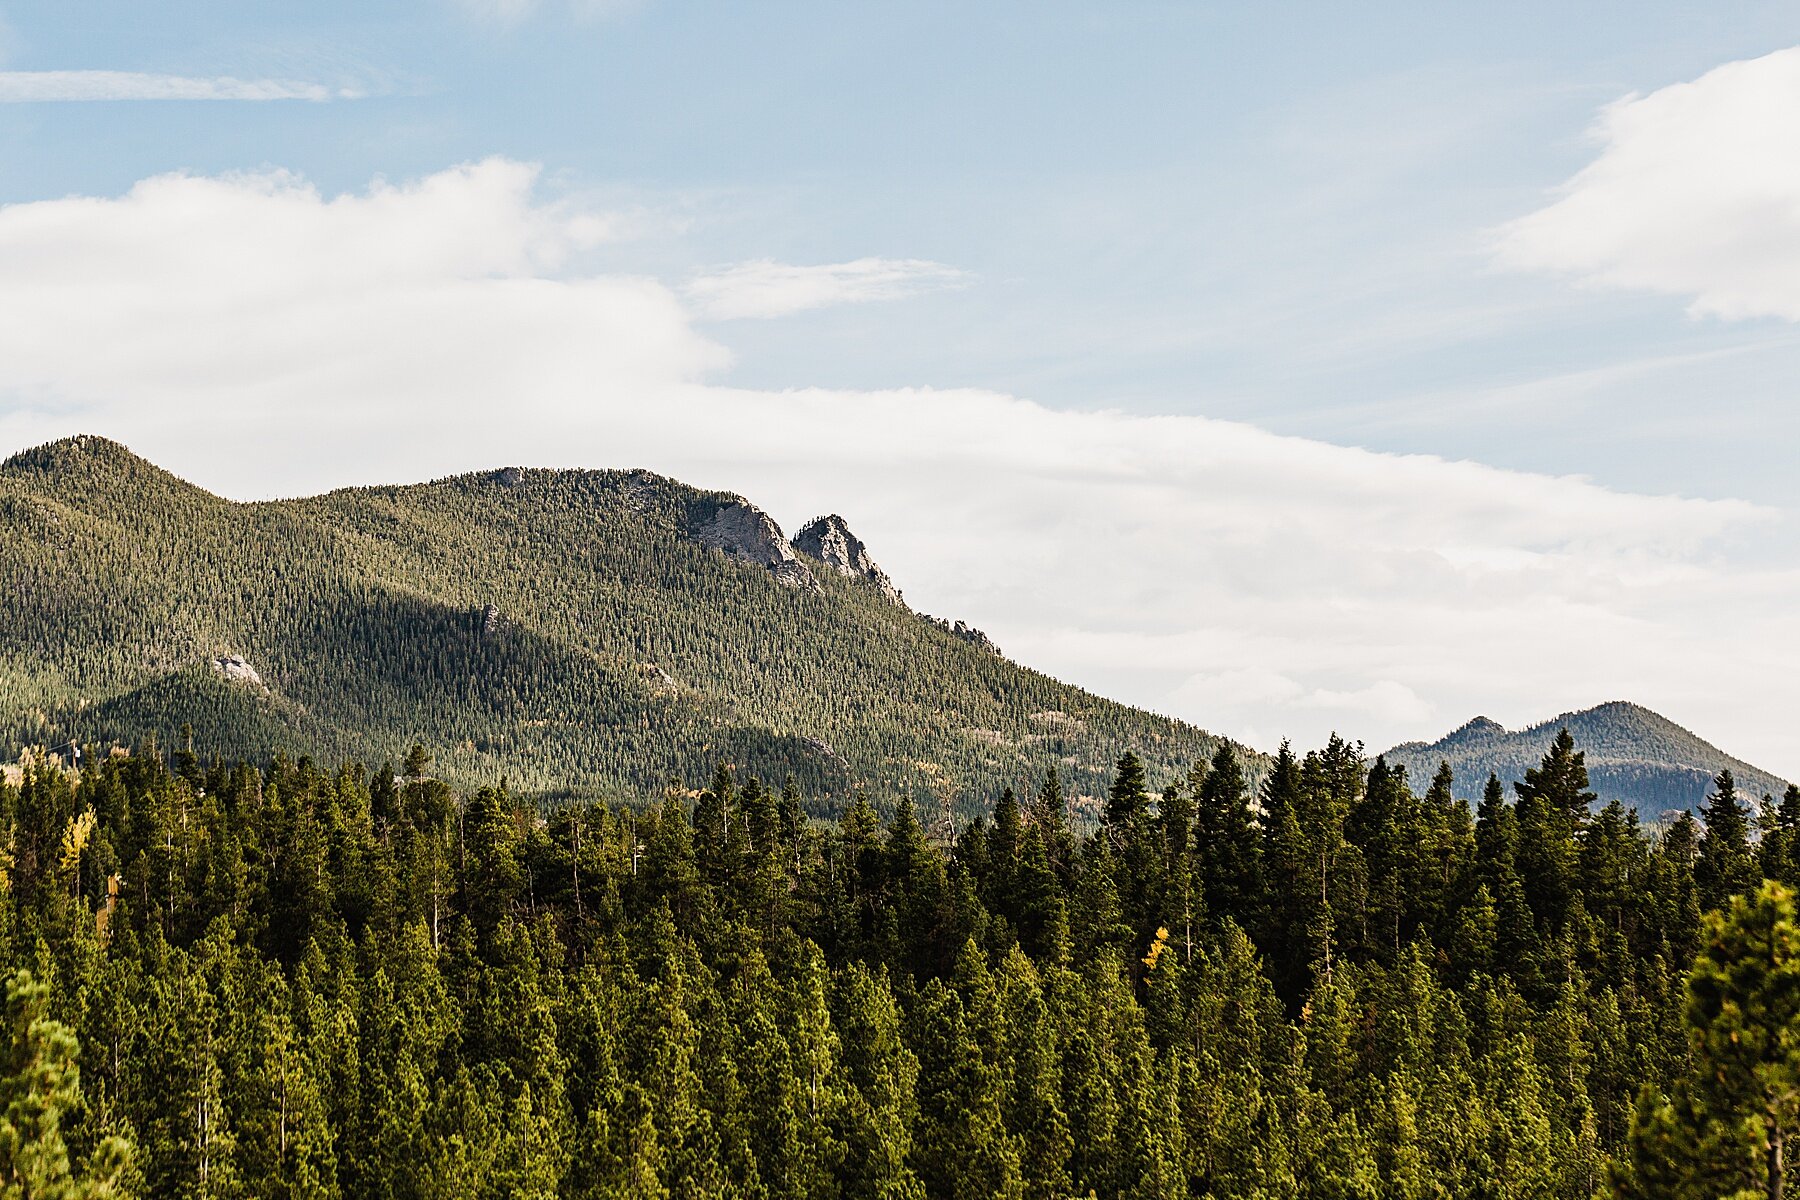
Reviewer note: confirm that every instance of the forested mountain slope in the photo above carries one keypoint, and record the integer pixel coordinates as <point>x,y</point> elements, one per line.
<point>605,630</point>
<point>1633,755</point>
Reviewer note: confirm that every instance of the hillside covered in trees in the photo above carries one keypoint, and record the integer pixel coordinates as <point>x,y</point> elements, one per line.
<point>1634,755</point>
<point>301,982</point>
<point>594,631</point>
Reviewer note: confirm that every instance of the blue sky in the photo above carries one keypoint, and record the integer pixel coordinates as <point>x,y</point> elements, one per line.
<point>1285,217</point>
<point>1267,213</point>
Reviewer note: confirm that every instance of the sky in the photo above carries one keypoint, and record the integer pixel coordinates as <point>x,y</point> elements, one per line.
<point>1287,368</point>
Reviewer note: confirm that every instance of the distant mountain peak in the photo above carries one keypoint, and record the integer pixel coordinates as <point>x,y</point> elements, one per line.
<point>829,540</point>
<point>86,462</point>
<point>1622,708</point>
<point>1633,755</point>
<point>78,448</point>
<point>1476,729</point>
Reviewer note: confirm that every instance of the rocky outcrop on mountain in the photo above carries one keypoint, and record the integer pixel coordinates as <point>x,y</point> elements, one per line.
<point>237,670</point>
<point>829,540</point>
<point>656,677</point>
<point>491,621</point>
<point>967,633</point>
<point>748,534</point>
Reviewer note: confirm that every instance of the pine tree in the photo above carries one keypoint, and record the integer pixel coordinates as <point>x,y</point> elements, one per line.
<point>1552,809</point>
<point>1726,1129</point>
<point>1517,948</point>
<point>1000,874</point>
<point>1127,828</point>
<point>918,897</point>
<point>1726,865</point>
<point>1288,875</point>
<point>1225,842</point>
<point>1049,812</point>
<point>40,1084</point>
<point>1040,912</point>
<point>1560,780</point>
<point>1330,875</point>
<point>1127,801</point>
<point>881,1106</point>
<point>1446,856</point>
<point>963,1151</point>
<point>1034,1109</point>
<point>1384,826</point>
<point>1180,908</point>
<point>418,762</point>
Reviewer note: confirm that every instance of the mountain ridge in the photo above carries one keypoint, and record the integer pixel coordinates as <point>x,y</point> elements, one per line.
<point>531,624</point>
<point>1633,754</point>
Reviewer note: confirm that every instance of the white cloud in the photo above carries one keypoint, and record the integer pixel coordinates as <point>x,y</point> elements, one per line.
<point>263,338</point>
<point>503,11</point>
<point>21,87</point>
<point>511,12</point>
<point>1695,192</point>
<point>766,288</point>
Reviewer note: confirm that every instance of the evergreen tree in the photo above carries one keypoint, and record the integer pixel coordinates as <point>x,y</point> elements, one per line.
<point>1445,857</point>
<point>1225,840</point>
<point>1288,870</point>
<point>1725,1130</point>
<point>1049,812</point>
<point>40,1084</point>
<point>1726,865</point>
<point>1552,809</point>
<point>1560,781</point>
<point>880,1111</point>
<point>1127,827</point>
<point>1040,912</point>
<point>418,762</point>
<point>963,1148</point>
<point>1516,947</point>
<point>1127,803</point>
<point>1383,824</point>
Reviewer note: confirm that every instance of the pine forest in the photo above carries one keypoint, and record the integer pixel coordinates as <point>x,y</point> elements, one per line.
<point>293,980</point>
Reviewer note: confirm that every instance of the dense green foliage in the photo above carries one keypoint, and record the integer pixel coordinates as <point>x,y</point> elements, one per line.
<point>1724,1129</point>
<point>291,982</point>
<point>41,1083</point>
<point>1633,755</point>
<point>555,629</point>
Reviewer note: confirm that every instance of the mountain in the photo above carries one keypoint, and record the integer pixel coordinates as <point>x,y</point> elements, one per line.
<point>614,628</point>
<point>1633,755</point>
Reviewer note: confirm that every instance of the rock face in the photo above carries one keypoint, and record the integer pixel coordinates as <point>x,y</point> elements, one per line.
<point>236,670</point>
<point>748,534</point>
<point>491,621</point>
<point>656,677</point>
<point>968,633</point>
<point>829,540</point>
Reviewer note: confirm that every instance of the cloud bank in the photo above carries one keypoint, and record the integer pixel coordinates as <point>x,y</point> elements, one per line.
<point>263,338</point>
<point>1695,192</point>
<point>766,288</point>
<point>25,87</point>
